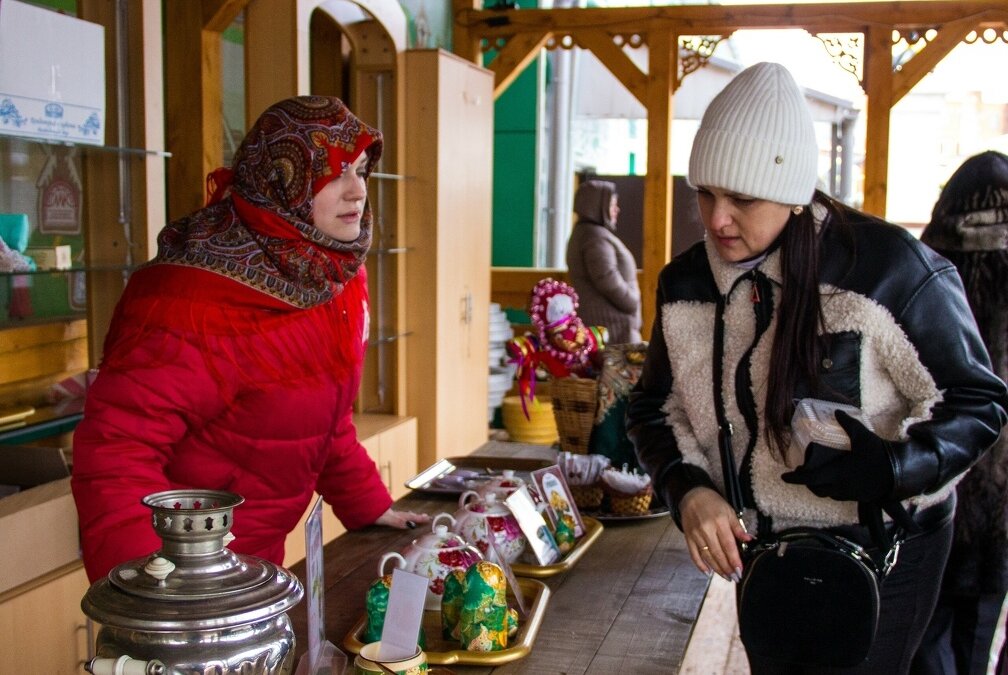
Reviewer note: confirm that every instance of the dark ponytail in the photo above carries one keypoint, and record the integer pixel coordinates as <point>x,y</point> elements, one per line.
<point>796,349</point>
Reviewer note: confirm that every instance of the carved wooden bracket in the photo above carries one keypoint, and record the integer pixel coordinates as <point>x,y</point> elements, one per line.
<point>694,53</point>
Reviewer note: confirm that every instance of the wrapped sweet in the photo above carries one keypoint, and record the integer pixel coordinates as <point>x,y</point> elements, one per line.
<point>512,622</point>
<point>451,604</point>
<point>630,492</point>
<point>483,620</point>
<point>563,532</point>
<point>375,604</point>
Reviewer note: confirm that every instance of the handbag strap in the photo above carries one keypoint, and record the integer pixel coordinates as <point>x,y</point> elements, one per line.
<point>733,486</point>
<point>869,514</point>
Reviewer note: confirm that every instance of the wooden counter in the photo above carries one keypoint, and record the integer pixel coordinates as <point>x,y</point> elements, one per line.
<point>628,606</point>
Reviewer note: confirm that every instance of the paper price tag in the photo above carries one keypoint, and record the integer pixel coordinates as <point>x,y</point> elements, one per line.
<point>314,577</point>
<point>403,616</point>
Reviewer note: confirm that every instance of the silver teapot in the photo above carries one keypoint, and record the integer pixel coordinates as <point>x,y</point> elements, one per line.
<point>194,607</point>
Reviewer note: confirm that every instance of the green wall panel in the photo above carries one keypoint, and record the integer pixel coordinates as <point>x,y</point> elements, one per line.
<point>515,158</point>
<point>513,199</point>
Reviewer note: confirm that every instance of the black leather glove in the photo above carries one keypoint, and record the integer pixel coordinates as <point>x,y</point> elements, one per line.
<point>864,473</point>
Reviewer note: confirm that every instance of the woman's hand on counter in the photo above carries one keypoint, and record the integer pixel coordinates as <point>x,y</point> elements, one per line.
<point>402,519</point>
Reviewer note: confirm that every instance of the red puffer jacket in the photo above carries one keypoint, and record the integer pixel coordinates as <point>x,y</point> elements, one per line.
<point>172,413</point>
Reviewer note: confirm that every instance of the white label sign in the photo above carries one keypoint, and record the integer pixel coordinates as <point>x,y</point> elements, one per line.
<point>52,75</point>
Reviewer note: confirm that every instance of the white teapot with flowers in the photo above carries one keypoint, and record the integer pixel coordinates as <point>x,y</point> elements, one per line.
<point>487,519</point>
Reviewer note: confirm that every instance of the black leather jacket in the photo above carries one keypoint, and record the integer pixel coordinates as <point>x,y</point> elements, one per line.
<point>902,345</point>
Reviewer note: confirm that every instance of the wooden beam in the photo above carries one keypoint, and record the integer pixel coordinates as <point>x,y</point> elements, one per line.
<point>194,132</point>
<point>878,86</point>
<point>838,17</point>
<point>912,72</point>
<point>465,43</point>
<point>271,54</point>
<point>218,14</point>
<point>616,60</point>
<point>657,235</point>
<point>511,60</point>
<point>147,85</point>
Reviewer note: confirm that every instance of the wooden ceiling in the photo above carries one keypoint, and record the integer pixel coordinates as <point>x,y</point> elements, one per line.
<point>680,39</point>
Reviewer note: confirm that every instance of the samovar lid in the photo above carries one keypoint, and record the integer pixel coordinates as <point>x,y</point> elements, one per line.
<point>194,582</point>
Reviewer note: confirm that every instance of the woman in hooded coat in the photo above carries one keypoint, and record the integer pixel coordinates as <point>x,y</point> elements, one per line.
<point>601,267</point>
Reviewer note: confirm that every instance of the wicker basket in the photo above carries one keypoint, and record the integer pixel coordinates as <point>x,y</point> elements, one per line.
<point>575,400</point>
<point>631,505</point>
<point>587,496</point>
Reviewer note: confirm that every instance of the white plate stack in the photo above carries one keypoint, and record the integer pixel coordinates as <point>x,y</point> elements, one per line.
<point>501,373</point>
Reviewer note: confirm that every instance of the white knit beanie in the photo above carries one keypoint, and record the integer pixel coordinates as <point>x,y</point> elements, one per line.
<point>756,138</point>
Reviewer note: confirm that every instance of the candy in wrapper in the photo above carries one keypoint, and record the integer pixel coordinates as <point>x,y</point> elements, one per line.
<point>451,604</point>
<point>564,533</point>
<point>512,622</point>
<point>483,622</point>
<point>376,603</point>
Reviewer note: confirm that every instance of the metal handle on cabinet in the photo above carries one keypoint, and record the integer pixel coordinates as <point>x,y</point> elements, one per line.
<point>386,468</point>
<point>88,628</point>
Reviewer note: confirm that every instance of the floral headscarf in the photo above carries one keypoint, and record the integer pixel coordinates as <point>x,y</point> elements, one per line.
<point>261,235</point>
<point>249,278</point>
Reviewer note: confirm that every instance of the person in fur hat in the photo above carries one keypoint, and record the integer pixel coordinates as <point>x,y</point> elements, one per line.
<point>793,295</point>
<point>969,226</point>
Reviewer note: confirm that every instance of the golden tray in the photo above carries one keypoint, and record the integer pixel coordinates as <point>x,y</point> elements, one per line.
<point>593,528</point>
<point>443,652</point>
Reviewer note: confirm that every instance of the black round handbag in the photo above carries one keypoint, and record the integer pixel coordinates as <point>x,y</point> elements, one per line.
<point>808,597</point>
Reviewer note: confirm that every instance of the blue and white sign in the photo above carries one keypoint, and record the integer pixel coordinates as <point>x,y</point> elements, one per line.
<point>52,75</point>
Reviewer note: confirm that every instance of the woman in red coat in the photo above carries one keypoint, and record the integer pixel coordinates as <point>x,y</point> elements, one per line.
<point>234,356</point>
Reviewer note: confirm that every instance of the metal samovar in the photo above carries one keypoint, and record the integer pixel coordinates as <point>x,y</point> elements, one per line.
<point>194,607</point>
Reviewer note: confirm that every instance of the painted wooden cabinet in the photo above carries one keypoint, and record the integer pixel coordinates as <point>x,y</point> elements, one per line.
<point>448,133</point>
<point>44,627</point>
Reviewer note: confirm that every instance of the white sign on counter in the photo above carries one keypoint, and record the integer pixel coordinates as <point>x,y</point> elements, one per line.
<point>52,75</point>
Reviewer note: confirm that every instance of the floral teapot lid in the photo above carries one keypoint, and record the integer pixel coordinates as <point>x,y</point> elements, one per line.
<point>488,504</point>
<point>502,485</point>
<point>440,537</point>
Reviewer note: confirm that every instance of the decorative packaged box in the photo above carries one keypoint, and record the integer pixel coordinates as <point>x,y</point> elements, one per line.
<point>50,257</point>
<point>815,420</point>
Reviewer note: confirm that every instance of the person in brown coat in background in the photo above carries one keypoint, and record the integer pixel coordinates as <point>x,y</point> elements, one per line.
<point>969,226</point>
<point>601,267</point>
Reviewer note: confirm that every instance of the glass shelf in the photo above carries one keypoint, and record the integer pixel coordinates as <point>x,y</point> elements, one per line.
<point>8,323</point>
<point>44,422</point>
<point>88,268</point>
<point>387,176</point>
<point>87,146</point>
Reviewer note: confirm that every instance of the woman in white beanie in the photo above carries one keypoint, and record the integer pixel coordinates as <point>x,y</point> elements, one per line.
<point>793,295</point>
